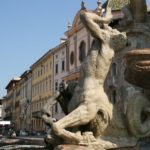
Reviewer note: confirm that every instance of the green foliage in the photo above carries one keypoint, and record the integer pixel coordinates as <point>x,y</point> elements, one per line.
<point>117,4</point>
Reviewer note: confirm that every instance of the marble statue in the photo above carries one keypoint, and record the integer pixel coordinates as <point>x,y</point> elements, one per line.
<point>91,119</point>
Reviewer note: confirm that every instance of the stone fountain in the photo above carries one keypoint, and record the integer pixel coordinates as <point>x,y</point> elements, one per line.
<point>92,121</point>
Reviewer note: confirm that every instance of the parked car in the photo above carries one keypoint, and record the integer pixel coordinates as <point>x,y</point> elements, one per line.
<point>13,134</point>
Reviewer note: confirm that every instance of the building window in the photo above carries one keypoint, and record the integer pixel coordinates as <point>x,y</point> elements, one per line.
<point>50,65</point>
<point>56,68</point>
<point>114,69</point>
<point>63,65</point>
<point>37,107</point>
<point>40,87</point>
<point>38,73</point>
<point>32,90</point>
<point>41,70</point>
<point>72,58</point>
<point>56,108</point>
<point>82,51</point>
<point>46,85</point>
<point>93,43</point>
<point>46,67</point>
<point>113,96</point>
<point>50,83</point>
<point>56,86</point>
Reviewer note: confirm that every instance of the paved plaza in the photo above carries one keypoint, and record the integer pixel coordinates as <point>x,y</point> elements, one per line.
<point>25,143</point>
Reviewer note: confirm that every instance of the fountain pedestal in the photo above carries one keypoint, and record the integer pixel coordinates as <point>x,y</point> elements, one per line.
<point>77,147</point>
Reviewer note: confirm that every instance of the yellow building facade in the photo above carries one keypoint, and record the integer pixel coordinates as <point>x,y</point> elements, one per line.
<point>42,89</point>
<point>17,106</point>
<point>25,99</point>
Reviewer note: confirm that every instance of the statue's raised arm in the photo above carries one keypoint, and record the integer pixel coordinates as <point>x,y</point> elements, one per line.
<point>95,23</point>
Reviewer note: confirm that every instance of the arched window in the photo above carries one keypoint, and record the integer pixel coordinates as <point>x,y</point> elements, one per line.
<point>96,44</point>
<point>72,58</point>
<point>82,51</point>
<point>93,43</point>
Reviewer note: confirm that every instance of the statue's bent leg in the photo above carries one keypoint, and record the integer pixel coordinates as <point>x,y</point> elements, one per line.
<point>80,116</point>
<point>139,108</point>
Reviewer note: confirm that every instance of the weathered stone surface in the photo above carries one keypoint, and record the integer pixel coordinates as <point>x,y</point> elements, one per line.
<point>138,67</point>
<point>5,141</point>
<point>92,120</point>
<point>93,103</point>
<point>132,148</point>
<point>76,147</point>
<point>135,11</point>
<point>70,147</point>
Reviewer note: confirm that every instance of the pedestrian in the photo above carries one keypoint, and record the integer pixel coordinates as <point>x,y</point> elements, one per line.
<point>13,134</point>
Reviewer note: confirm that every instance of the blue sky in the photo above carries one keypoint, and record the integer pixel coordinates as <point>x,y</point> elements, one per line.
<point>28,29</point>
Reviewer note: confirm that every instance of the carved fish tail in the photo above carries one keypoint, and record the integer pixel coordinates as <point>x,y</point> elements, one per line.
<point>138,115</point>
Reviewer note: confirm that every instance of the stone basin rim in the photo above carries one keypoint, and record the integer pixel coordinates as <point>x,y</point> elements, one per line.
<point>138,52</point>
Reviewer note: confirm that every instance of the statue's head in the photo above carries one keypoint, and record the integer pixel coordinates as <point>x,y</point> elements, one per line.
<point>118,40</point>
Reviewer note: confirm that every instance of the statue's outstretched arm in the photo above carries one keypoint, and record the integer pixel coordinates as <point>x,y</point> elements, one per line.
<point>92,22</point>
